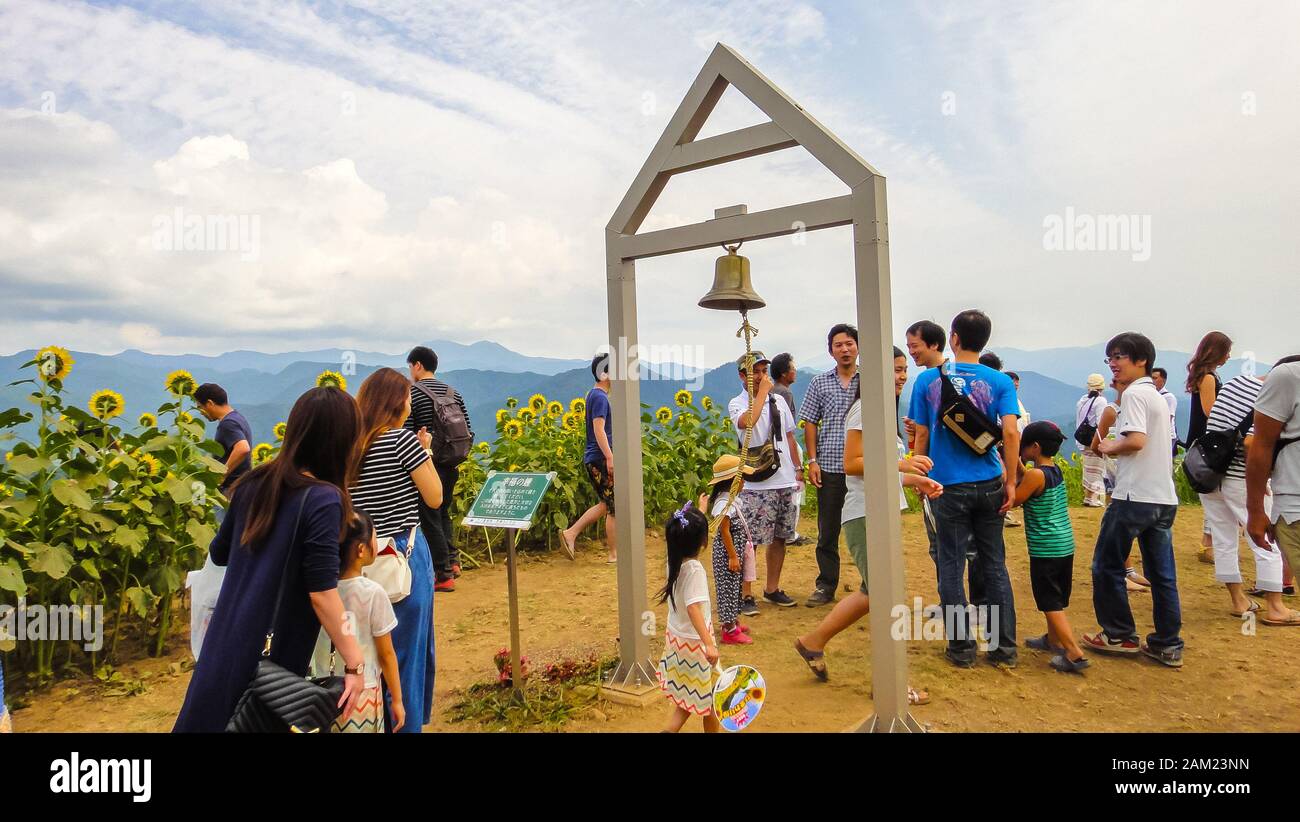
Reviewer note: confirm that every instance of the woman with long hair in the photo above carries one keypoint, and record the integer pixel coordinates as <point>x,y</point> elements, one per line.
<point>395,473</point>
<point>1203,383</point>
<point>284,523</point>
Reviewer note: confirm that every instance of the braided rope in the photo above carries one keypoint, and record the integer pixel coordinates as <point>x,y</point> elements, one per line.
<point>749,332</point>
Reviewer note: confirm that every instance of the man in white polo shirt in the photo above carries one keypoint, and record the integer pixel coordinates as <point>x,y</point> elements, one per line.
<point>1275,451</point>
<point>1142,507</point>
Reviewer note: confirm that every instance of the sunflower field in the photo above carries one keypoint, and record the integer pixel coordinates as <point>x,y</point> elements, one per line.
<point>97,511</point>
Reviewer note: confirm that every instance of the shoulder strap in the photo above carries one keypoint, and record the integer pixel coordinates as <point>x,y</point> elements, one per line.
<point>774,414</point>
<point>426,391</point>
<point>949,393</point>
<point>284,572</point>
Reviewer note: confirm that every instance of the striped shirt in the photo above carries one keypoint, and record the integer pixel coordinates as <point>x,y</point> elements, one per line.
<point>1047,518</point>
<point>1236,401</point>
<point>422,415</point>
<point>825,404</point>
<point>384,489</point>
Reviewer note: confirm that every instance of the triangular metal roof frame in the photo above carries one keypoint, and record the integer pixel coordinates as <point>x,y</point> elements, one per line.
<point>677,150</point>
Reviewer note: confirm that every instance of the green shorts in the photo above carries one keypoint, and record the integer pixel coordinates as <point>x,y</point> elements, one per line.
<point>855,536</point>
<point>1288,539</point>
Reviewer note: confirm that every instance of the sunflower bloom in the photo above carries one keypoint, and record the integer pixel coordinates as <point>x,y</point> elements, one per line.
<point>150,464</point>
<point>514,429</point>
<point>54,363</point>
<point>483,447</point>
<point>331,379</point>
<point>526,415</point>
<point>554,408</point>
<point>572,421</point>
<point>537,402</point>
<point>578,405</point>
<point>707,403</point>
<point>180,383</point>
<point>664,414</point>
<point>185,416</point>
<point>512,403</point>
<point>106,404</point>
<point>683,398</point>
<point>513,467</point>
<point>279,429</point>
<point>148,420</point>
<point>262,452</point>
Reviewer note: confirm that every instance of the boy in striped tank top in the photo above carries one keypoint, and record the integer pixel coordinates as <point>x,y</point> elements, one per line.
<point>1041,492</point>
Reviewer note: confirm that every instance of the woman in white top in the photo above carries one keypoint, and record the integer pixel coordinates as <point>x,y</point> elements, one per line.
<point>1088,410</point>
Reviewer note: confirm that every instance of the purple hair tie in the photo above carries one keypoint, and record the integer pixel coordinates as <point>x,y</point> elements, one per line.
<point>680,514</point>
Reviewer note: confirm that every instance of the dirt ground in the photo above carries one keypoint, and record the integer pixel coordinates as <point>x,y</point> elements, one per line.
<point>1231,681</point>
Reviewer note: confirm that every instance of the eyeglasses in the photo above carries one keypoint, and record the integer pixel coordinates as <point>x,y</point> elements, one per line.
<point>1114,358</point>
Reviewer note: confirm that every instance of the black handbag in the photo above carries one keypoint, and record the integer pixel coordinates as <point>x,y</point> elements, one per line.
<point>1206,463</point>
<point>963,417</point>
<point>1086,430</point>
<point>766,460</point>
<point>277,700</point>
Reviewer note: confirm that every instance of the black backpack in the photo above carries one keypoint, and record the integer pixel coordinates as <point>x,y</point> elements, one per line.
<point>1208,459</point>
<point>451,438</point>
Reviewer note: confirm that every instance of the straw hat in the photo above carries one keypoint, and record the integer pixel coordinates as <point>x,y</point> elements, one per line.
<point>726,467</point>
<point>1096,382</point>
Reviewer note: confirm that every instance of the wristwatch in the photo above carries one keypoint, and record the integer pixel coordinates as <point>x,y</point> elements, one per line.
<point>811,460</point>
<point>358,670</point>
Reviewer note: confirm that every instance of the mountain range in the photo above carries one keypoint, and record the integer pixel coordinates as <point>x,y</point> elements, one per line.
<point>264,386</point>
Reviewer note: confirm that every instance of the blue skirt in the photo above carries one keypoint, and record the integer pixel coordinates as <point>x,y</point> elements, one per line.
<point>413,638</point>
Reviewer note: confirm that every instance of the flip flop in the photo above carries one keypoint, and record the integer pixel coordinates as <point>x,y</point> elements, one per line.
<point>568,546</point>
<point>915,697</point>
<point>816,661</point>
<point>1254,606</point>
<point>1291,621</point>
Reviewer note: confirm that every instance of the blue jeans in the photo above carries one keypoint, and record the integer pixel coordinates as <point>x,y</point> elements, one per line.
<point>413,638</point>
<point>967,522</point>
<point>1152,526</point>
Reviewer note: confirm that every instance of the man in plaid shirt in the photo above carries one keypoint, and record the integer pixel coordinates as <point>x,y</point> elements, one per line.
<point>826,402</point>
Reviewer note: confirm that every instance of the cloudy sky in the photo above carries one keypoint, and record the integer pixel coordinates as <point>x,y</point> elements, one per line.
<point>410,170</point>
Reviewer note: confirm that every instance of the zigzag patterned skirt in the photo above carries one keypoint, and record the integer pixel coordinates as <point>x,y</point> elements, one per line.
<point>367,718</point>
<point>685,674</point>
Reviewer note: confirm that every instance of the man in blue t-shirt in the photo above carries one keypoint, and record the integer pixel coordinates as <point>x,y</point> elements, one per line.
<point>234,434</point>
<point>597,462</point>
<point>978,489</point>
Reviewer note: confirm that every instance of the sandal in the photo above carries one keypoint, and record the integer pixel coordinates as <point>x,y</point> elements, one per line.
<point>915,697</point>
<point>1256,591</point>
<point>569,547</point>
<point>1292,620</point>
<point>1254,606</point>
<point>816,661</point>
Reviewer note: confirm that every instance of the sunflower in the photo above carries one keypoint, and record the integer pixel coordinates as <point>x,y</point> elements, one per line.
<point>537,402</point>
<point>513,467</point>
<point>147,420</point>
<point>707,403</point>
<point>664,415</point>
<point>262,452</point>
<point>572,421</point>
<point>483,447</point>
<point>503,414</point>
<point>54,363</point>
<point>106,404</point>
<point>331,379</point>
<point>514,429</point>
<point>279,430</point>
<point>554,408</point>
<point>511,402</point>
<point>683,398</point>
<point>149,463</point>
<point>527,415</point>
<point>180,383</point>
<point>185,416</point>
<point>559,451</point>
<point>578,405</point>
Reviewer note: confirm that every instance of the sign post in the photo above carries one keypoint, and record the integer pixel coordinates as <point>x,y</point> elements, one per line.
<point>510,500</point>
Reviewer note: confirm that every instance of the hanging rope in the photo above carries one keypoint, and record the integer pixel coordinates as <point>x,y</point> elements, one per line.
<point>749,332</point>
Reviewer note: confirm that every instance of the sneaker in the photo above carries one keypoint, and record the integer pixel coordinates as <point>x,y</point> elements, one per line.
<point>1003,658</point>
<point>1065,665</point>
<point>749,607</point>
<point>455,570</point>
<point>778,597</point>
<point>445,585</point>
<point>799,539</point>
<point>1171,657</point>
<point>744,629</point>
<point>962,659</point>
<point>1100,642</point>
<point>820,597</point>
<point>736,637</point>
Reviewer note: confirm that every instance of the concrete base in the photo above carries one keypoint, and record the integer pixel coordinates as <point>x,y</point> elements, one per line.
<point>872,725</point>
<point>634,696</point>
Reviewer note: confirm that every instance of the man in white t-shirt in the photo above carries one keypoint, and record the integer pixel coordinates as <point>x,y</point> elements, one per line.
<point>1275,452</point>
<point>1143,506</point>
<point>768,503</point>
<point>1159,376</point>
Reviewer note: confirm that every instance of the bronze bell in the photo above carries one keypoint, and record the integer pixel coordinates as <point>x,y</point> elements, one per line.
<point>732,290</point>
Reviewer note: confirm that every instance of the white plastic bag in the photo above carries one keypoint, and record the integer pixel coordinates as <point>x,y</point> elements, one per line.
<point>205,587</point>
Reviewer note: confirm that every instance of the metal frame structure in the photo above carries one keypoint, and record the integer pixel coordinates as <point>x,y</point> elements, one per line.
<point>863,208</point>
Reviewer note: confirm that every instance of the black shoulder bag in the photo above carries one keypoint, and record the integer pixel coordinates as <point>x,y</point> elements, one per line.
<point>963,418</point>
<point>766,460</point>
<point>278,700</point>
<point>1207,461</point>
<point>1086,430</point>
